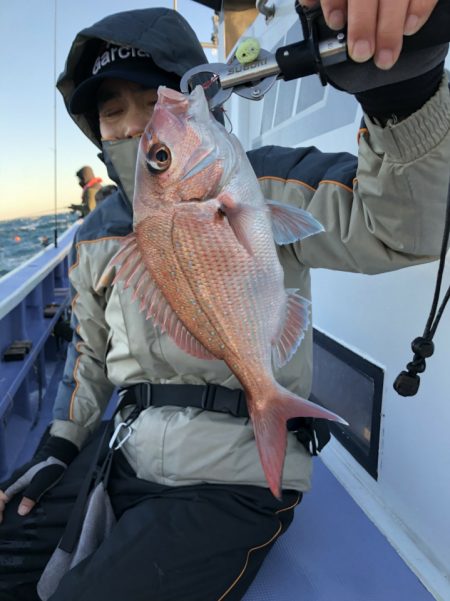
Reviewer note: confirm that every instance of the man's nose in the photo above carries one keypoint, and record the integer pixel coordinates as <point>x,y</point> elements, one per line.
<point>136,122</point>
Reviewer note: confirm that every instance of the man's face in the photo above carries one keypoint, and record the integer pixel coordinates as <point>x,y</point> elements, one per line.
<point>124,108</point>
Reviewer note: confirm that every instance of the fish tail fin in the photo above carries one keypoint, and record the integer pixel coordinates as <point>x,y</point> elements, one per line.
<point>269,425</point>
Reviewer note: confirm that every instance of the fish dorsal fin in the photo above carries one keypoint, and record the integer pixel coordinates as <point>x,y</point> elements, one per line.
<point>290,224</point>
<point>133,273</point>
<point>294,328</point>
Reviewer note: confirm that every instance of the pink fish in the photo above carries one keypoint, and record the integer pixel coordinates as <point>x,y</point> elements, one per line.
<point>203,262</point>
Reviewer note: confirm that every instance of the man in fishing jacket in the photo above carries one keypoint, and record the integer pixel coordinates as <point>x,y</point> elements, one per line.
<point>194,516</point>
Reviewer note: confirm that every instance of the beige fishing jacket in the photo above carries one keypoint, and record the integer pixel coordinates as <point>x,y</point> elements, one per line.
<point>382,213</point>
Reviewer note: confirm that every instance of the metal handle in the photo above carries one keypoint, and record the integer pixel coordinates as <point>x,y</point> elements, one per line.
<point>265,9</point>
<point>237,74</point>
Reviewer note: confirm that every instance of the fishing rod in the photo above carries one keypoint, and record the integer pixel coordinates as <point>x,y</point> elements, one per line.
<point>55,132</point>
<point>253,71</point>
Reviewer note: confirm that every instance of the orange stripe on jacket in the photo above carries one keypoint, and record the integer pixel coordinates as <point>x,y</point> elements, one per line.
<point>298,181</point>
<point>77,384</point>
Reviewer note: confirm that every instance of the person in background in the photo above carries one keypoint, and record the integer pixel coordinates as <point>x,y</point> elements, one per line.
<point>104,192</point>
<point>90,186</point>
<point>194,518</point>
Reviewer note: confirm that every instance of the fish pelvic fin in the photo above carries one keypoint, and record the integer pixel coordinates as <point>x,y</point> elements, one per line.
<point>290,223</point>
<point>133,273</point>
<point>269,426</point>
<point>296,323</point>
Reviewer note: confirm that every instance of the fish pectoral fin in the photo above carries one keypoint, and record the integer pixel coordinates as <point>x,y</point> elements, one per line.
<point>133,273</point>
<point>240,218</point>
<point>295,325</point>
<point>201,158</point>
<point>290,224</point>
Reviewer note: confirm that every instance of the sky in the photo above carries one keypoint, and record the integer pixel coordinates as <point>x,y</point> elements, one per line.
<point>28,103</point>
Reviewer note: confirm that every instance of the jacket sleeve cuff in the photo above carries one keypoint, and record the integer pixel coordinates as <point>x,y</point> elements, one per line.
<point>70,431</point>
<point>416,135</point>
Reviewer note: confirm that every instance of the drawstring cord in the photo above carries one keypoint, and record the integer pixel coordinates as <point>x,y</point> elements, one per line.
<point>407,382</point>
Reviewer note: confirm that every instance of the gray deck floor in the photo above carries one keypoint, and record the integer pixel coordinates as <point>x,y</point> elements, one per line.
<point>333,552</point>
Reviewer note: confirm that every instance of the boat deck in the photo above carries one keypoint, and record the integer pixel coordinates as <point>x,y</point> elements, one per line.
<point>333,552</point>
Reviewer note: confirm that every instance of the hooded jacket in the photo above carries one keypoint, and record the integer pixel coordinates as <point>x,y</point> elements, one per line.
<point>381,212</point>
<point>161,32</point>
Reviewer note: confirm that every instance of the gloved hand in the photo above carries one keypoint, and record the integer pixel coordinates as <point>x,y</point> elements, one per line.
<point>375,30</point>
<point>38,475</point>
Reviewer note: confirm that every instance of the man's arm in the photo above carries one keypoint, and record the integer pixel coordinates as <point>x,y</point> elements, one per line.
<point>385,211</point>
<point>85,390</point>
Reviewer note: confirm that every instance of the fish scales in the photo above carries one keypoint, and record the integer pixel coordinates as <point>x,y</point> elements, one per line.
<point>231,276</point>
<point>213,280</point>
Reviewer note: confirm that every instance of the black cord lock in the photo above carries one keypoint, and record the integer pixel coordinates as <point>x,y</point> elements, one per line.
<point>407,382</point>
<point>423,347</point>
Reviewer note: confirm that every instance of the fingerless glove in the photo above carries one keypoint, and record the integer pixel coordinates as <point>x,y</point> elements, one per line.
<point>44,471</point>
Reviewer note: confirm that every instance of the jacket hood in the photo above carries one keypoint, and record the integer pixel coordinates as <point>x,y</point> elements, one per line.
<point>162,32</point>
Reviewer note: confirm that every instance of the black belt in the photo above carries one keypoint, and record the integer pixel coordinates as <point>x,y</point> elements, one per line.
<point>211,397</point>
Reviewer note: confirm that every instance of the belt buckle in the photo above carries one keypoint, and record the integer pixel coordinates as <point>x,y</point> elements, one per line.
<point>208,397</point>
<point>223,400</point>
<point>145,395</point>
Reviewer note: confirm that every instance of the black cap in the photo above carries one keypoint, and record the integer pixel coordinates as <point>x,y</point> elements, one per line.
<point>119,62</point>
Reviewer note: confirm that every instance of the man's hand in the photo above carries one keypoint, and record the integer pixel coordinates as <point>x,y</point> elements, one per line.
<point>375,28</point>
<point>40,474</point>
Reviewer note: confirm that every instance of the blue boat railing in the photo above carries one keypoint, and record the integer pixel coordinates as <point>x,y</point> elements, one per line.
<point>33,298</point>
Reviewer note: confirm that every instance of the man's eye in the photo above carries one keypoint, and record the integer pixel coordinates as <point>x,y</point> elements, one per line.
<point>109,112</point>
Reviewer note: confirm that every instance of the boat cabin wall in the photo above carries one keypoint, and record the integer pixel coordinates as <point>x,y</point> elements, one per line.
<point>377,317</point>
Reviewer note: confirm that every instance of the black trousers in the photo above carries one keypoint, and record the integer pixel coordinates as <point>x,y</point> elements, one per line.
<point>196,543</point>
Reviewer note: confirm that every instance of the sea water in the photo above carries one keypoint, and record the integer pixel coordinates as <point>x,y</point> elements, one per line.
<point>22,238</point>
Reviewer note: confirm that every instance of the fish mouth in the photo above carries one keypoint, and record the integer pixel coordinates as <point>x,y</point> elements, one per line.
<point>173,100</point>
<point>214,147</point>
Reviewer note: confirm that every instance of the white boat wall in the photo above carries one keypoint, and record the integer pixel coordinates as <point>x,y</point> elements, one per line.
<point>376,317</point>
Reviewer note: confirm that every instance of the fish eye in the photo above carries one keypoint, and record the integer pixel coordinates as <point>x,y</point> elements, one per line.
<point>158,158</point>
